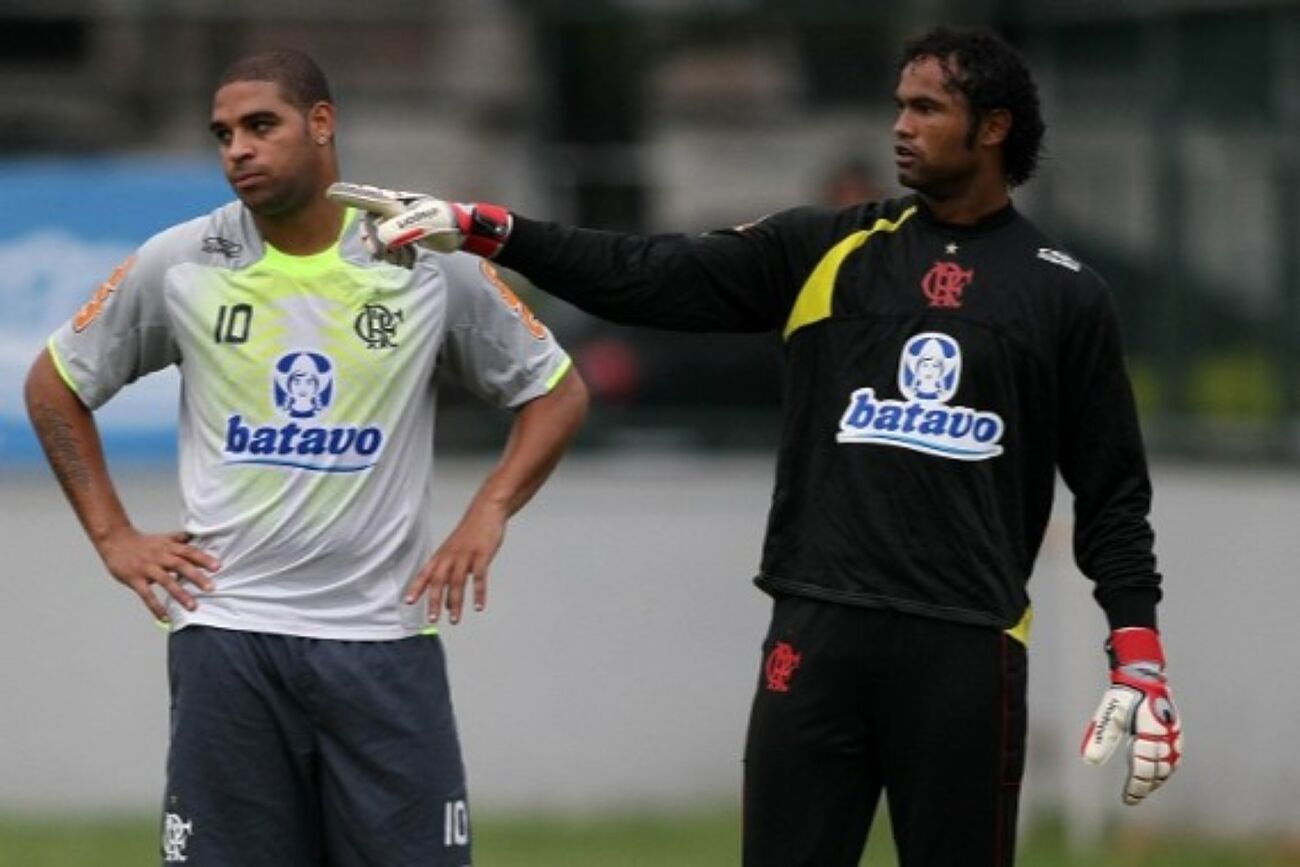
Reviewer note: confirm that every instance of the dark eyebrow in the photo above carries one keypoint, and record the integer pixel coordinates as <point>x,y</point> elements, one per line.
<point>253,117</point>
<point>245,120</point>
<point>921,99</point>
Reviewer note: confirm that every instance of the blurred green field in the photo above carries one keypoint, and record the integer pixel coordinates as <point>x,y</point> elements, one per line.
<point>693,840</point>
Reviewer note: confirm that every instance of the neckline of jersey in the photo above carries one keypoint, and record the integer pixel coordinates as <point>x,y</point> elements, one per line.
<point>312,262</point>
<point>987,223</point>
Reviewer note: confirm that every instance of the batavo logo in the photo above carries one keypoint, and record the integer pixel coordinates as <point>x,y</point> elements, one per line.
<point>929,371</point>
<point>91,310</point>
<point>511,300</point>
<point>303,389</point>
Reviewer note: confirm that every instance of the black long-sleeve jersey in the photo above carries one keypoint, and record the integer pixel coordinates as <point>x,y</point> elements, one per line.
<point>936,377</point>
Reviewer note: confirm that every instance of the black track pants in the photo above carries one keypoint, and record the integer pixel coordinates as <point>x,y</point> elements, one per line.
<point>855,701</point>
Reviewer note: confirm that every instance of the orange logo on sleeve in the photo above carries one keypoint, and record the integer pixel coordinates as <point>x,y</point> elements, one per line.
<point>511,300</point>
<point>90,311</point>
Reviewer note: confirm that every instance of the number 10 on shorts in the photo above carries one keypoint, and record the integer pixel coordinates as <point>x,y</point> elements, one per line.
<point>455,824</point>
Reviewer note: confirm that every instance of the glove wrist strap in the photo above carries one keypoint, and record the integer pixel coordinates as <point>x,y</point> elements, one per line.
<point>1135,644</point>
<point>486,229</point>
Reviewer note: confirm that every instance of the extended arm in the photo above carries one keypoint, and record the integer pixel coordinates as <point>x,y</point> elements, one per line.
<point>740,280</point>
<point>541,431</point>
<point>725,281</point>
<point>67,432</point>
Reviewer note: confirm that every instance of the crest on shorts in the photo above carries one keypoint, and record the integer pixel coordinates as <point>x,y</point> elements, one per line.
<point>175,837</point>
<point>782,660</point>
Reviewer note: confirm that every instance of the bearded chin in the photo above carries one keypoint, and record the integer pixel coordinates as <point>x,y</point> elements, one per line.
<point>278,201</point>
<point>935,189</point>
<point>268,203</point>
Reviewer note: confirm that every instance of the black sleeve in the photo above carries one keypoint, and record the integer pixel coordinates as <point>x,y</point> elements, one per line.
<point>1103,461</point>
<point>740,280</point>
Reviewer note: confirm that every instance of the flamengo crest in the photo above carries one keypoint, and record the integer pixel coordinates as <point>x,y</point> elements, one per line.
<point>376,325</point>
<point>944,283</point>
<point>175,835</point>
<point>779,667</point>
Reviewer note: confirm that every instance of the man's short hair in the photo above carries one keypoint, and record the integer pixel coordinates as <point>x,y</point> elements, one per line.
<point>301,82</point>
<point>991,75</point>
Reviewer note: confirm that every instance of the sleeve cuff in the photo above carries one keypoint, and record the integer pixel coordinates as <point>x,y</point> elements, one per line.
<point>1130,606</point>
<point>523,246</point>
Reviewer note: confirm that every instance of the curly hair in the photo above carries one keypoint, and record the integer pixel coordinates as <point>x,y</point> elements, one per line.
<point>301,82</point>
<point>991,75</point>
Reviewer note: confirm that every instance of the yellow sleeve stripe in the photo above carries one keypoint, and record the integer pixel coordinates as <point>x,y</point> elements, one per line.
<point>1020,632</point>
<point>559,374</point>
<point>814,301</point>
<point>58,365</point>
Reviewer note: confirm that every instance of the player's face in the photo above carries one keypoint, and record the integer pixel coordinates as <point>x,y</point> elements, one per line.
<point>933,150</point>
<point>266,147</point>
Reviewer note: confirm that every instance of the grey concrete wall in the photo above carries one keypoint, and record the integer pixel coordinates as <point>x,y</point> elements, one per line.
<point>616,659</point>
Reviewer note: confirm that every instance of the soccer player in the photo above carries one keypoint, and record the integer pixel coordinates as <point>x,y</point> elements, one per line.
<point>310,716</point>
<point>943,360</point>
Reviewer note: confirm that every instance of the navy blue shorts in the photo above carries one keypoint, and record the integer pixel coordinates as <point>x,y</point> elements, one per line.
<point>301,752</point>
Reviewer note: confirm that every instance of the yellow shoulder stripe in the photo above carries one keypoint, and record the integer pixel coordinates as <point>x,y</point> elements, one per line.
<point>814,301</point>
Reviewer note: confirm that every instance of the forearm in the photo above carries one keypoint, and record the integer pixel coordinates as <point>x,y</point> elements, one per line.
<point>540,434</point>
<point>1114,546</point>
<point>1114,542</point>
<point>1103,460</point>
<point>70,438</point>
<point>671,282</point>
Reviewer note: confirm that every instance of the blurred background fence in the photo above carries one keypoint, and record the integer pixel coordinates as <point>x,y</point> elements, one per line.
<point>1173,168</point>
<point>1172,158</point>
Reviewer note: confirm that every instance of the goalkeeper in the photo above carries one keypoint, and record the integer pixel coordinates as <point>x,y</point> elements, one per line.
<point>944,359</point>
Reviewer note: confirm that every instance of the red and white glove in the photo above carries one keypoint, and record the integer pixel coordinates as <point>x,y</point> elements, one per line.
<point>1138,709</point>
<point>396,220</point>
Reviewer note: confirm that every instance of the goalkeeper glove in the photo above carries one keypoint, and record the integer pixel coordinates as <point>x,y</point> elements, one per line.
<point>1136,708</point>
<point>396,220</point>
